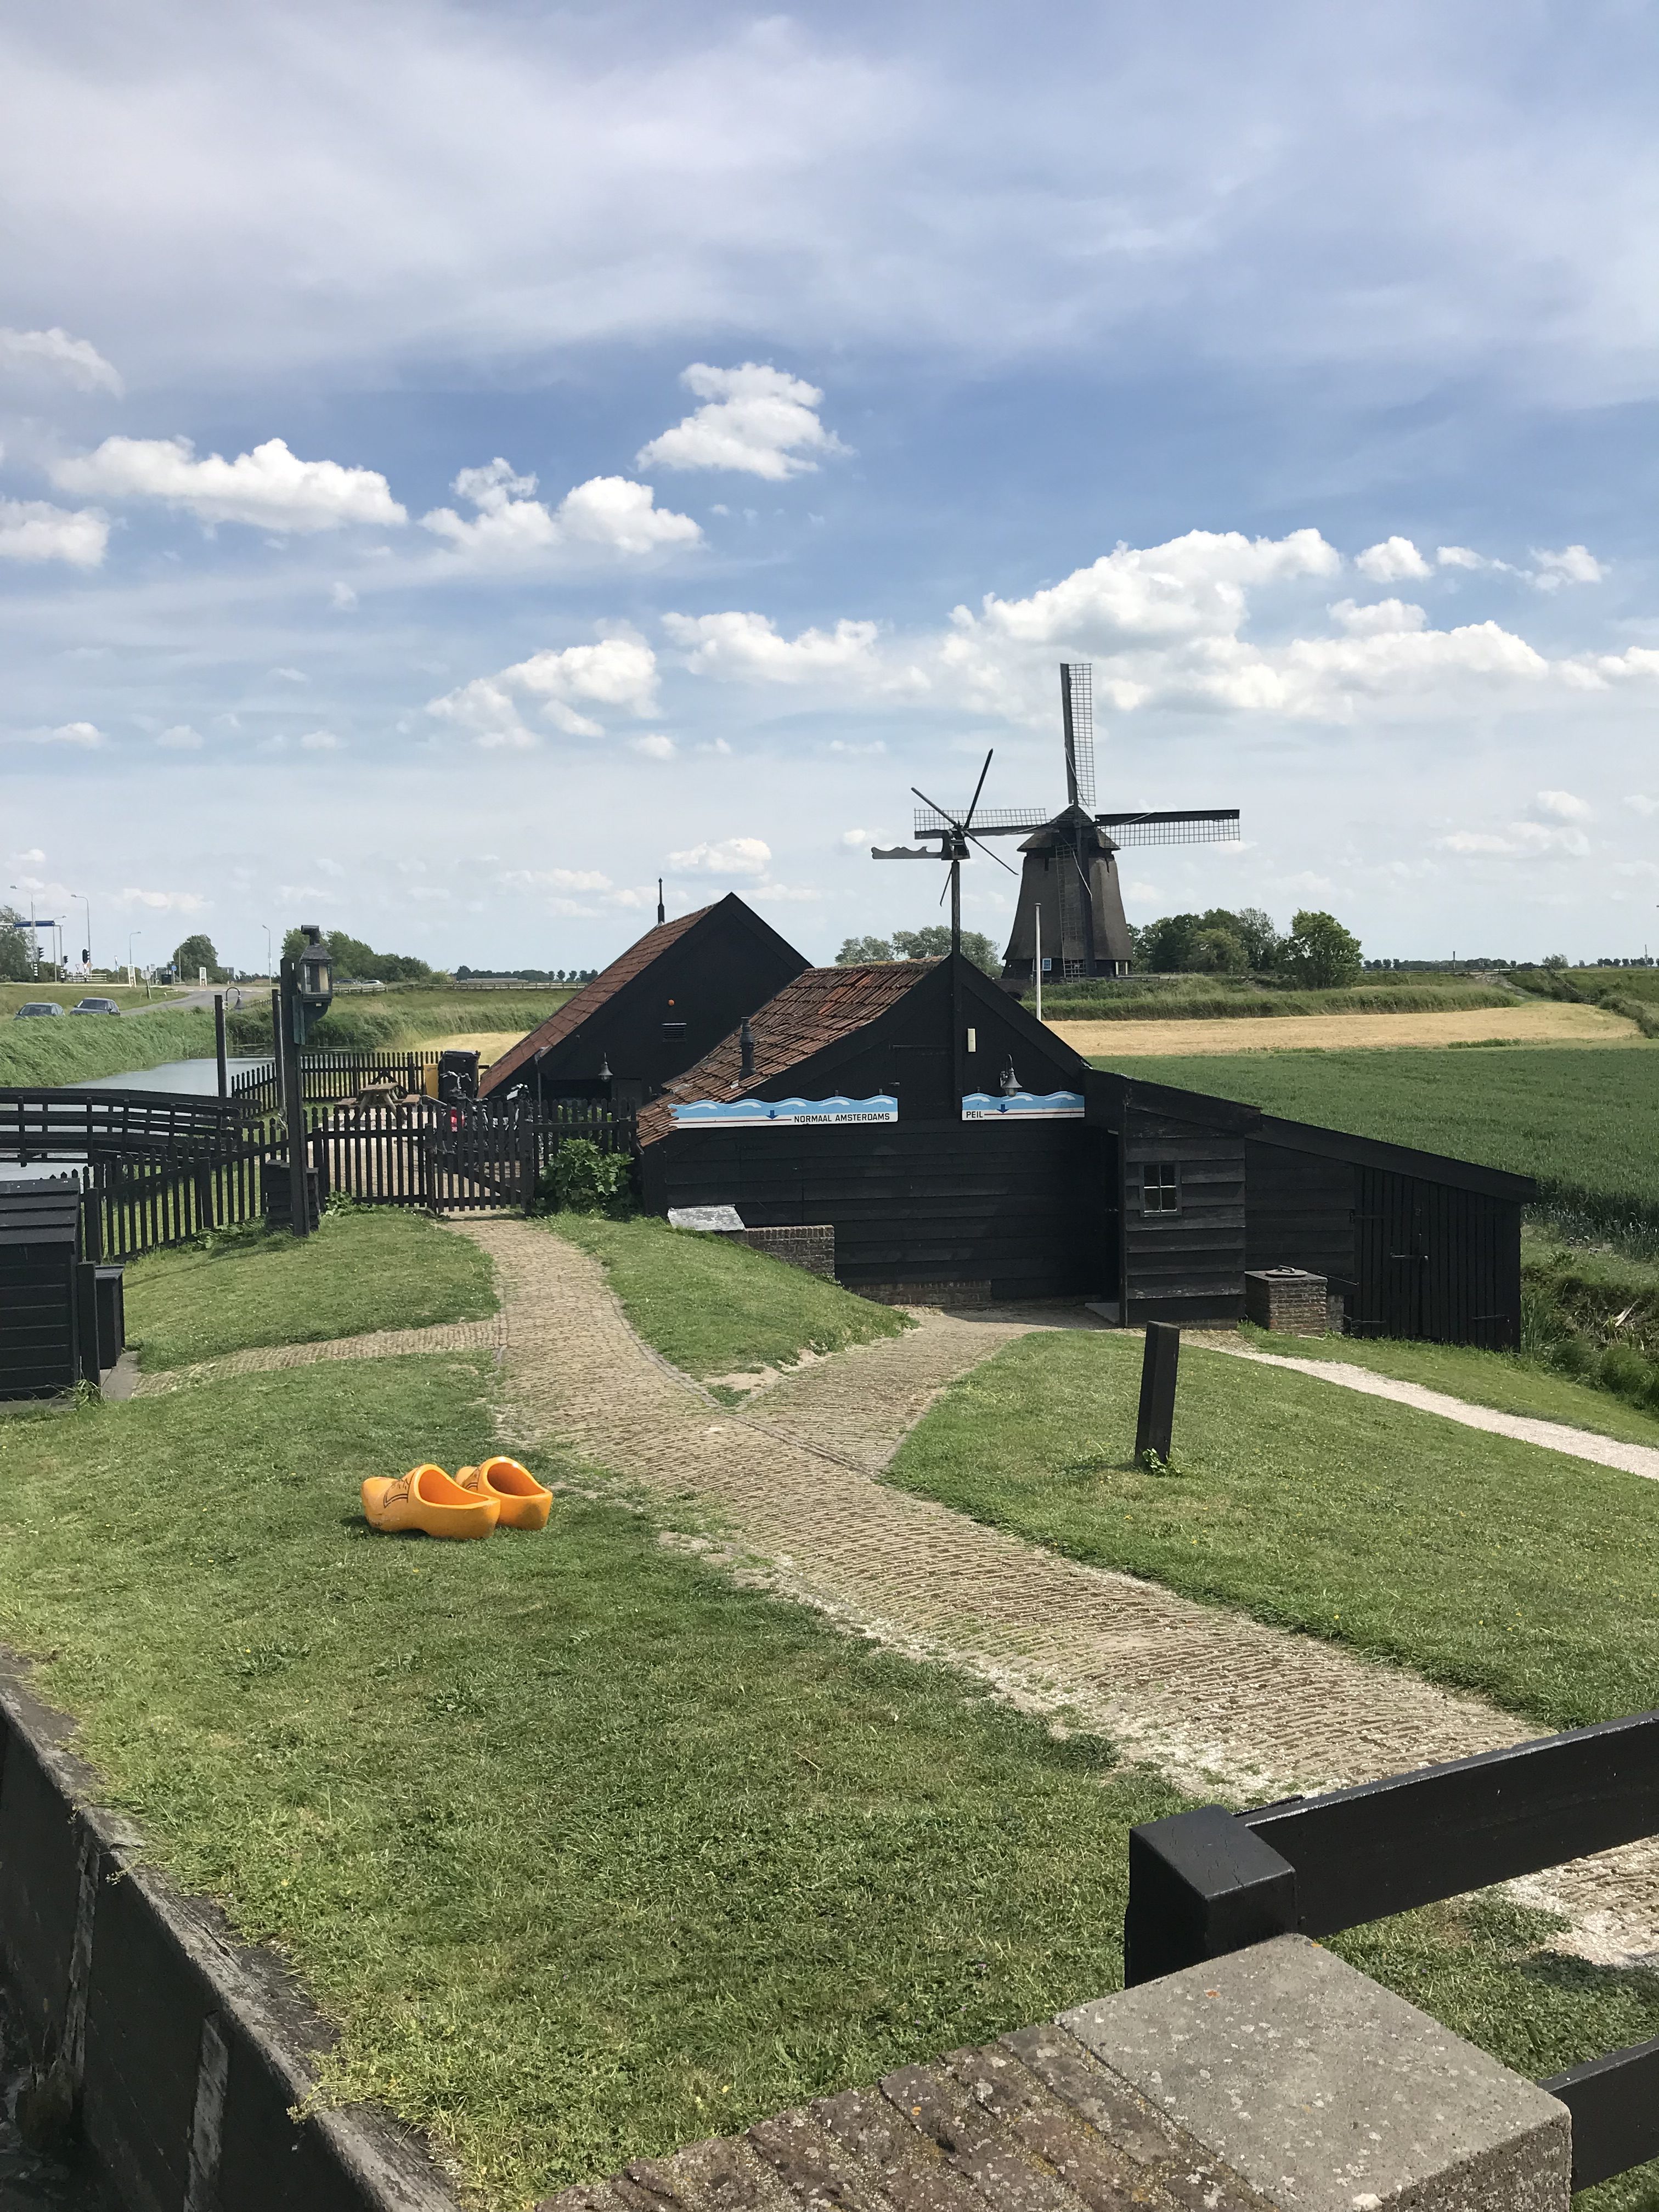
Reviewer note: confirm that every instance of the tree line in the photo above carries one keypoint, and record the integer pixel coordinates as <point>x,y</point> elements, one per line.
<point>1316,951</point>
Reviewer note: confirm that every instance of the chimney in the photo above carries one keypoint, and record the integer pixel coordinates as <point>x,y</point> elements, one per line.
<point>746,1041</point>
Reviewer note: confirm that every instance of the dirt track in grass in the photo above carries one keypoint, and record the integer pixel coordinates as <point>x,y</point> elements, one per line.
<point>1220,1704</point>
<point>1546,1023</point>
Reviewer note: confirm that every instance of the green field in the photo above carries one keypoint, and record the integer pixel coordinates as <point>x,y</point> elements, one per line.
<point>363,1269</point>
<point>1582,1119</point>
<point>1485,1564</point>
<point>406,1018</point>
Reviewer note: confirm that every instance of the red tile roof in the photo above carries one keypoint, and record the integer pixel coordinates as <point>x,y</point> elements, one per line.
<point>591,996</point>
<point>820,1008</point>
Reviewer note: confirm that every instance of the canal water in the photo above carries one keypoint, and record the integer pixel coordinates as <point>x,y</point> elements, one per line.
<point>200,1078</point>
<point>28,2182</point>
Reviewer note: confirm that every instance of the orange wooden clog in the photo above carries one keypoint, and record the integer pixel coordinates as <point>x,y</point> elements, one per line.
<point>523,1502</point>
<point>425,1498</point>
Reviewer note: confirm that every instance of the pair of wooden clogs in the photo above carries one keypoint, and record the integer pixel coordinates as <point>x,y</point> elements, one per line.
<point>499,1494</point>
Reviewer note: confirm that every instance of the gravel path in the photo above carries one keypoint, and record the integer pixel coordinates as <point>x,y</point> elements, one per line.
<point>1553,1436</point>
<point>1217,1702</point>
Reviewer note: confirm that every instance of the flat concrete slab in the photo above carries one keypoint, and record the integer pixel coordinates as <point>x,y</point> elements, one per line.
<point>1327,2093</point>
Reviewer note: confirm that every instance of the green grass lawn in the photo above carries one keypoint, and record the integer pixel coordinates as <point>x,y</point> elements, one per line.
<point>1584,1119</point>
<point>719,1309</point>
<point>1498,1379</point>
<point>364,1269</point>
<point>1478,1561</point>
<point>80,1047</point>
<point>588,1852</point>
<point>403,1019</point>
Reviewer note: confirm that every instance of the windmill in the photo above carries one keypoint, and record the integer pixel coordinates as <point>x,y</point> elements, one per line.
<point>955,833</point>
<point>1069,899</point>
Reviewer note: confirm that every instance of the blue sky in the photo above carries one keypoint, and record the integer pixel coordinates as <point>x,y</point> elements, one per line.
<point>1297,365</point>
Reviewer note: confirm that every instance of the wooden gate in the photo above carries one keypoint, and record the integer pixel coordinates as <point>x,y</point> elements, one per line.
<point>1432,1261</point>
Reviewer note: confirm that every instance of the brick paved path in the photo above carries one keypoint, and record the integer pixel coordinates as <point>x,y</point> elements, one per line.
<point>1218,1702</point>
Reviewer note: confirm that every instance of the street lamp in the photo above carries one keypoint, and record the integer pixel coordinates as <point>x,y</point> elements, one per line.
<point>302,999</point>
<point>86,903</point>
<point>270,973</point>
<point>131,934</point>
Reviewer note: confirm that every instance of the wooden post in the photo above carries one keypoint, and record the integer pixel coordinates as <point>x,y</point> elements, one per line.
<point>219,1042</point>
<point>1158,1388</point>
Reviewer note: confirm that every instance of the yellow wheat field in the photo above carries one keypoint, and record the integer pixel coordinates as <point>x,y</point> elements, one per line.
<point>1546,1023</point>
<point>491,1045</point>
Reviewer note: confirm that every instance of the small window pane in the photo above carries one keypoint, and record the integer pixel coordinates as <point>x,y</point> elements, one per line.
<point>1160,1187</point>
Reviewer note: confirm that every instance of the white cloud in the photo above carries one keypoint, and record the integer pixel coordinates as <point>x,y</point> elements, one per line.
<point>732,856</point>
<point>654,747</point>
<point>1638,801</point>
<point>181,738</point>
<point>30,853</point>
<point>1381,617</point>
<point>1519,841</point>
<point>76,360</point>
<point>1564,806</point>
<point>756,418</point>
<point>271,488</point>
<point>1573,564</point>
<point>841,745</point>
<point>290,675</point>
<point>610,514</point>
<point>35,529</point>
<point>618,672</point>
<point>557,880</point>
<point>1190,586</point>
<point>746,647</point>
<point>164,902</point>
<point>320,741</point>
<point>342,598</point>
<point>852,839</point>
<point>1459,556</point>
<point>1393,561</point>
<point>86,734</point>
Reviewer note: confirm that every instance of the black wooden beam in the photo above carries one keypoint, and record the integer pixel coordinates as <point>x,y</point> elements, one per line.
<point>1614,2103</point>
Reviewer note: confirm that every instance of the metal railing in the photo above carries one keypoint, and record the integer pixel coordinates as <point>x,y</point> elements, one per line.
<point>1207,1882</point>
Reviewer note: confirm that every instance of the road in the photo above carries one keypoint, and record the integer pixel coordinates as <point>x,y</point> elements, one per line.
<point>246,994</point>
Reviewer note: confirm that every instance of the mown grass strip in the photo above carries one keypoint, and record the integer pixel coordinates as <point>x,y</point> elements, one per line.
<point>386,1267</point>
<point>715,1308</point>
<point>1478,1561</point>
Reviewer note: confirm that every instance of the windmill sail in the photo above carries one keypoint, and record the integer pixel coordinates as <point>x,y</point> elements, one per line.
<point>1077,708</point>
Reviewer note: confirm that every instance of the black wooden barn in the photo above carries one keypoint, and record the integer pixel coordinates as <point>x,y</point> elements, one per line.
<point>959,1148</point>
<point>655,1011</point>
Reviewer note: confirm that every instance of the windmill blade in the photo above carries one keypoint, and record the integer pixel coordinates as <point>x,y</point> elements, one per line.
<point>974,839</point>
<point>994,822</point>
<point>1214,825</point>
<point>968,818</point>
<point>904,853</point>
<point>947,821</point>
<point>1076,710</point>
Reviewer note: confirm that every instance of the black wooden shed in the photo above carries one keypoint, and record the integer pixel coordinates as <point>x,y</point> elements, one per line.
<point>960,1149</point>
<point>40,1288</point>
<point>656,1008</point>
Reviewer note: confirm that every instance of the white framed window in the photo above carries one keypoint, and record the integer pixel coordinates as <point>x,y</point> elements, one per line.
<point>1160,1186</point>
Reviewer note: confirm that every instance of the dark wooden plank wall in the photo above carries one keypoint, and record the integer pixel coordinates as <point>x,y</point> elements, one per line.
<point>1301,1208</point>
<point>1025,1209</point>
<point>1188,1266</point>
<point>1434,1261</point>
<point>39,1229</point>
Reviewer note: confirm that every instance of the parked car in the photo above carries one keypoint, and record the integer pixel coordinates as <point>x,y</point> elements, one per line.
<point>37,1007</point>
<point>96,1006</point>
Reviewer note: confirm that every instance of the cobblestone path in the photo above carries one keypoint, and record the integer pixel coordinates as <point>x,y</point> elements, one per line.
<point>1218,1702</point>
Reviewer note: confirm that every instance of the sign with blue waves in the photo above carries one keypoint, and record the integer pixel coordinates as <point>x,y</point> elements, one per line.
<point>1024,1106</point>
<point>783,1113</point>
